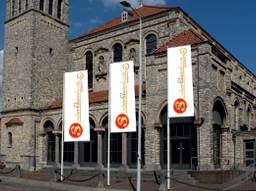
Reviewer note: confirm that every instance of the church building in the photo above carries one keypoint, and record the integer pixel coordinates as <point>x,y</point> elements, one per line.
<point>222,135</point>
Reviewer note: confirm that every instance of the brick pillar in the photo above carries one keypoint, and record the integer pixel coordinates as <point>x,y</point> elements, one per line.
<point>227,148</point>
<point>152,147</point>
<point>99,149</point>
<point>57,150</point>
<point>76,164</point>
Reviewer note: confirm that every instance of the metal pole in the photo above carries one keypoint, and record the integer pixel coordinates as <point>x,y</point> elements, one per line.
<point>168,133</point>
<point>168,154</point>
<point>34,145</point>
<point>108,173</point>
<point>109,128</point>
<point>139,125</point>
<point>62,137</point>
<point>198,113</point>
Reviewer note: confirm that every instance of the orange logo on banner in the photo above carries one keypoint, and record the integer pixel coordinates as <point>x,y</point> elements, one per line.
<point>122,121</point>
<point>75,130</point>
<point>180,106</point>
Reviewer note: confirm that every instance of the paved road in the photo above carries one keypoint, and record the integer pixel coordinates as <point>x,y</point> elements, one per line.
<point>6,187</point>
<point>19,184</point>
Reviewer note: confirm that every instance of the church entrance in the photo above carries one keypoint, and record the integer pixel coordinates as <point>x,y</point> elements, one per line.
<point>180,154</point>
<point>183,142</point>
<point>183,145</point>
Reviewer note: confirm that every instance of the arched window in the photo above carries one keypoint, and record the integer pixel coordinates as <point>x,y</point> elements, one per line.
<point>59,5</point>
<point>248,117</point>
<point>88,150</point>
<point>89,67</point>
<point>41,5</point>
<point>48,126</point>
<point>19,8</point>
<point>118,52</point>
<point>13,7</point>
<point>163,142</point>
<point>133,144</point>
<point>236,115</point>
<point>50,7</point>
<point>115,146</point>
<point>9,139</point>
<point>68,154</point>
<point>151,43</point>
<point>219,117</point>
<point>26,5</point>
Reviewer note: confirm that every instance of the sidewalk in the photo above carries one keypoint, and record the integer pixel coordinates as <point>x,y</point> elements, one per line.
<point>50,185</point>
<point>119,182</point>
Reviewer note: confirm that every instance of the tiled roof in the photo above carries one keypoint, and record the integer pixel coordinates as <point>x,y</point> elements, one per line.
<point>14,121</point>
<point>142,11</point>
<point>184,38</point>
<point>97,97</point>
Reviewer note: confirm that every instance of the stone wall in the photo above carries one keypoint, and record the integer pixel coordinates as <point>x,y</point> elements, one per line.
<point>36,44</point>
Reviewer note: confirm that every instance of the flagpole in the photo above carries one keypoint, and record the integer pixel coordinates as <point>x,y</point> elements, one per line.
<point>109,129</point>
<point>168,153</point>
<point>62,137</point>
<point>128,5</point>
<point>62,152</point>
<point>108,170</point>
<point>168,134</point>
<point>140,110</point>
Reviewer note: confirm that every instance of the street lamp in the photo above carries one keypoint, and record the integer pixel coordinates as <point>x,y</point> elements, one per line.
<point>128,5</point>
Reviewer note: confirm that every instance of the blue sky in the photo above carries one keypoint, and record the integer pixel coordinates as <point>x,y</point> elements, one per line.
<point>231,22</point>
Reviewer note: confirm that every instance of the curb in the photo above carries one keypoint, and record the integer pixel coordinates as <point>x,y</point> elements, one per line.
<point>50,185</point>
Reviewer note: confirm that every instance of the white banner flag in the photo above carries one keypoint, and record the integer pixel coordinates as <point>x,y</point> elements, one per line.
<point>122,97</point>
<point>180,83</point>
<point>76,107</point>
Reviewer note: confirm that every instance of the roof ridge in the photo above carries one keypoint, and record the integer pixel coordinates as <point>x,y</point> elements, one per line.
<point>148,10</point>
<point>176,37</point>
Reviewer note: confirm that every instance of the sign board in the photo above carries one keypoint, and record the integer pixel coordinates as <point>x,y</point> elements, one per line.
<point>180,83</point>
<point>122,97</point>
<point>76,107</point>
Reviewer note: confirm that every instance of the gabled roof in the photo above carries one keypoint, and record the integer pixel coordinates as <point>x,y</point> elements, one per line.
<point>183,38</point>
<point>144,11</point>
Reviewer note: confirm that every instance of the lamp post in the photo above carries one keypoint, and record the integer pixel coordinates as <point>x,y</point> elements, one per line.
<point>128,5</point>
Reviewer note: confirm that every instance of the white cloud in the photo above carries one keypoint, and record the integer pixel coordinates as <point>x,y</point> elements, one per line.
<point>95,20</point>
<point>109,3</point>
<point>154,2</point>
<point>135,3</point>
<point>77,25</point>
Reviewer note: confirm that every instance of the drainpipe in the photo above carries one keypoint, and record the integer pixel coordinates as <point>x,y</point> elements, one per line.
<point>198,113</point>
<point>34,145</point>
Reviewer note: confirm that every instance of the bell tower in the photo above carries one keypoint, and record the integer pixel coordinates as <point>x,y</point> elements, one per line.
<point>36,40</point>
<point>35,58</point>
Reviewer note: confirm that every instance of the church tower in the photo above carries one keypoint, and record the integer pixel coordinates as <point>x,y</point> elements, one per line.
<point>35,53</point>
<point>35,58</point>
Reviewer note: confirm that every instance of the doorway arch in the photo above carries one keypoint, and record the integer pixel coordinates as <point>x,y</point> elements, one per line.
<point>219,116</point>
<point>183,141</point>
